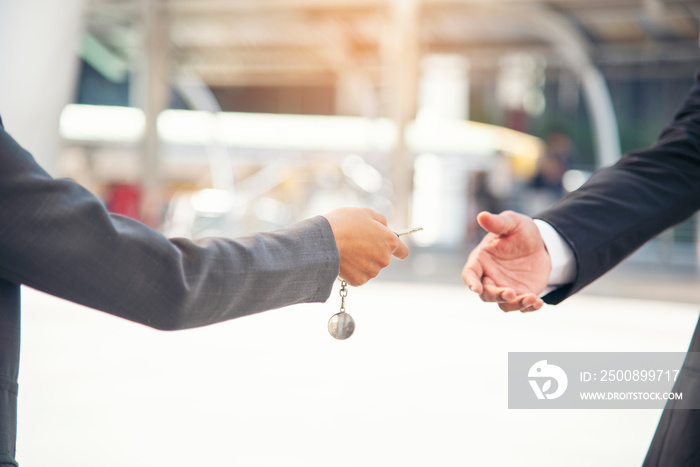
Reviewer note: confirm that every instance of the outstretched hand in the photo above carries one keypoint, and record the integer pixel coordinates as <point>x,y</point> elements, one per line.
<point>365,243</point>
<point>511,264</point>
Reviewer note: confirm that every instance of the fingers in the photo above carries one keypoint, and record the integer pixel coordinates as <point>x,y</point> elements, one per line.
<point>358,280</point>
<point>378,217</point>
<point>506,298</point>
<point>401,249</point>
<point>523,303</point>
<point>498,224</point>
<point>471,275</point>
<point>493,293</point>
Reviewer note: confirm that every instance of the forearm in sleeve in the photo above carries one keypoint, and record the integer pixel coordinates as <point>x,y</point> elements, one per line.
<point>57,237</point>
<point>623,206</point>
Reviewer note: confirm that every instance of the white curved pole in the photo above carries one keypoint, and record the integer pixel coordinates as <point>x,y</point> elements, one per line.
<point>573,49</point>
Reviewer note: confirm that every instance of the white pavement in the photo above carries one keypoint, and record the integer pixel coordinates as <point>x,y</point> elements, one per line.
<point>423,382</point>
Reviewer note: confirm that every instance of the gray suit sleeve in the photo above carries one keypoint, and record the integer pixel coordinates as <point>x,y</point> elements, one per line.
<point>57,237</point>
<point>623,206</point>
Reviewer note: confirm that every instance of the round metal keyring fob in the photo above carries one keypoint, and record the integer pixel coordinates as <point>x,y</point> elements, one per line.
<point>341,325</point>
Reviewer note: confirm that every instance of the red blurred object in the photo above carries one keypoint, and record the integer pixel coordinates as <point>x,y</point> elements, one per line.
<point>125,199</point>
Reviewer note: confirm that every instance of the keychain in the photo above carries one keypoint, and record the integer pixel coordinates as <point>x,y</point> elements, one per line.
<point>341,325</point>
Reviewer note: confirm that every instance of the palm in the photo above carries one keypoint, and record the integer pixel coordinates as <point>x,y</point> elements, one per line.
<point>516,261</point>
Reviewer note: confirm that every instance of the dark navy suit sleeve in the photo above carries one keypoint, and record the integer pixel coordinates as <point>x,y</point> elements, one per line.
<point>623,206</point>
<point>57,237</point>
<point>9,370</point>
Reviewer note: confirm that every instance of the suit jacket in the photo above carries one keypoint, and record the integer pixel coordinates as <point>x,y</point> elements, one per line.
<point>623,206</point>
<point>57,237</point>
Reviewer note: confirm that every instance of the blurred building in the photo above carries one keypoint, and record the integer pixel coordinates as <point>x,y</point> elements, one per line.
<point>291,106</point>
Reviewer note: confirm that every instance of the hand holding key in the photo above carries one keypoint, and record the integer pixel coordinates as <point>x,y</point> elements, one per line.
<point>342,325</point>
<point>365,243</point>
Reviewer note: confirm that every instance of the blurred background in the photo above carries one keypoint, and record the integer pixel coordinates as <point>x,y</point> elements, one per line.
<point>226,117</point>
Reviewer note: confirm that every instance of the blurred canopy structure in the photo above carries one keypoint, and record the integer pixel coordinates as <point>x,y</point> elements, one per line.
<point>258,42</point>
<point>366,58</point>
<point>369,51</point>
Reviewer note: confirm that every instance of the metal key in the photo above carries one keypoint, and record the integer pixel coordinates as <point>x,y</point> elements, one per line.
<point>408,231</point>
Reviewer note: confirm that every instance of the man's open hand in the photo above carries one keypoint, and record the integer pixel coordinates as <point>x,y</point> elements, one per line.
<point>511,265</point>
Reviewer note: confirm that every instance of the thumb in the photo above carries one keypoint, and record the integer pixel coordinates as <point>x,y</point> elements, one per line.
<point>401,251</point>
<point>498,224</point>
